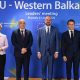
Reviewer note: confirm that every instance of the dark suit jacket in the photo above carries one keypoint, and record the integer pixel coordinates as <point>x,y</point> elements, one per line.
<point>70,49</point>
<point>20,43</point>
<point>54,40</point>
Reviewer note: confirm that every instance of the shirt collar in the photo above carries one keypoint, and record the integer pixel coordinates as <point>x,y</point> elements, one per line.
<point>70,30</point>
<point>22,29</point>
<point>47,27</point>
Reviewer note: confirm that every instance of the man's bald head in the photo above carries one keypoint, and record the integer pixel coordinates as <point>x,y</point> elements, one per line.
<point>22,23</point>
<point>48,20</point>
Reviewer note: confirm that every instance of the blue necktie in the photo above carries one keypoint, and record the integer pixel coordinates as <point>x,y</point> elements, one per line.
<point>48,40</point>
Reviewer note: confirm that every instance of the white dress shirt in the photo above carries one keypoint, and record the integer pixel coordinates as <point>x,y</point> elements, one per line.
<point>3,43</point>
<point>23,31</point>
<point>47,27</point>
<point>70,33</point>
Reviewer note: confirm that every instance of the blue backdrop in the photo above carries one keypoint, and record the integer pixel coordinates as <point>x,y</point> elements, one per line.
<point>34,12</point>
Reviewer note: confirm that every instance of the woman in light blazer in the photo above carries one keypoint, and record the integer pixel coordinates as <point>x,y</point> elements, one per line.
<point>3,47</point>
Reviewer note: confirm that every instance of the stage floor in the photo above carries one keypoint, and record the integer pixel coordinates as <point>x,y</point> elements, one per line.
<point>32,79</point>
<point>23,79</point>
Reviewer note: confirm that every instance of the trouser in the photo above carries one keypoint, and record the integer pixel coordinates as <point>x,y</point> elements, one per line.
<point>2,66</point>
<point>75,61</point>
<point>47,61</point>
<point>22,61</point>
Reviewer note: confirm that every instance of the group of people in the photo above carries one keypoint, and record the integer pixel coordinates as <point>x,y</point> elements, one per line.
<point>47,49</point>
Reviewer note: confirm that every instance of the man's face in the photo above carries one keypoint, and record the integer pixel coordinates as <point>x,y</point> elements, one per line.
<point>21,24</point>
<point>48,20</point>
<point>71,25</point>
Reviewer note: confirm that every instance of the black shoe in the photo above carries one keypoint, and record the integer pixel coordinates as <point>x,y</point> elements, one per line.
<point>44,79</point>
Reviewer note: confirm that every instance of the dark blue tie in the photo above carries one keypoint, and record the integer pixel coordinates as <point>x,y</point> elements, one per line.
<point>22,34</point>
<point>72,36</point>
<point>48,40</point>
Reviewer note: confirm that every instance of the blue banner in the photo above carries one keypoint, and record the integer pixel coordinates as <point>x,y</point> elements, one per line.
<point>34,13</point>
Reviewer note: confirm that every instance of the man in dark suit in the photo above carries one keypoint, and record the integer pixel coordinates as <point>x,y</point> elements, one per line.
<point>48,47</point>
<point>22,41</point>
<point>71,49</point>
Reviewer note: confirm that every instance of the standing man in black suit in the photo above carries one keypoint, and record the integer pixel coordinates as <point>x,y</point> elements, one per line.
<point>71,49</point>
<point>22,41</point>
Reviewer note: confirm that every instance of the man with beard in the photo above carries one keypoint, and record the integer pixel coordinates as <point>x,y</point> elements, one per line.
<point>48,47</point>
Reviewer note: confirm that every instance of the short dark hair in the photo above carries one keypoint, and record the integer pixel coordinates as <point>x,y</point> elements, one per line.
<point>70,20</point>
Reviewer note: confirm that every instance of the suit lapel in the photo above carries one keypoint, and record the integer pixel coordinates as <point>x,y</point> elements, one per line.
<point>68,36</point>
<point>44,31</point>
<point>25,33</point>
<point>51,31</point>
<point>75,35</point>
<point>19,34</point>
